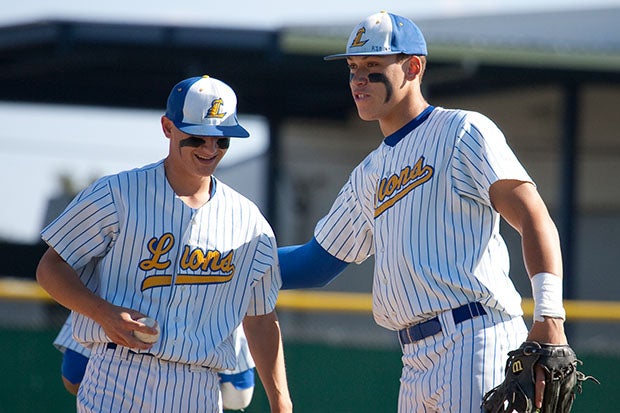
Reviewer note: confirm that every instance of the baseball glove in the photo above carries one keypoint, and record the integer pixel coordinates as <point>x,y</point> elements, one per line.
<point>516,392</point>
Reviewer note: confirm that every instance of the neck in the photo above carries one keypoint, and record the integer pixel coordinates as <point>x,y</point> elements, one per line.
<point>194,191</point>
<point>400,117</point>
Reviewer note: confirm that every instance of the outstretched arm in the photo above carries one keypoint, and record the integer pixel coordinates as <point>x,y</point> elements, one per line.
<point>308,266</point>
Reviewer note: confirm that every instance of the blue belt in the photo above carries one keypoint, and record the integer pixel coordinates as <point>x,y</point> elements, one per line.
<point>432,326</point>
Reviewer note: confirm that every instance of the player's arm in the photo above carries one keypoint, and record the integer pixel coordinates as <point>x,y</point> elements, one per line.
<point>308,266</point>
<point>265,342</point>
<point>63,283</point>
<point>522,207</point>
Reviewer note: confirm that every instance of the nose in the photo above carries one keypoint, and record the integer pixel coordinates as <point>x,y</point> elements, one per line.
<point>210,144</point>
<point>358,77</point>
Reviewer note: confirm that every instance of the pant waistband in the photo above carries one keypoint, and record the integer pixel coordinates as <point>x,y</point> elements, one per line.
<point>432,326</point>
<point>126,350</point>
<point>114,346</point>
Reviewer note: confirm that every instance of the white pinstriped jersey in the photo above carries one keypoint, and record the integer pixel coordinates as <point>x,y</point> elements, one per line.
<point>64,340</point>
<point>420,203</point>
<point>242,351</point>
<point>198,272</point>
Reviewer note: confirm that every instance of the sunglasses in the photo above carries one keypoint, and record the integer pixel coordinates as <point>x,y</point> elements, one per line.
<point>195,142</point>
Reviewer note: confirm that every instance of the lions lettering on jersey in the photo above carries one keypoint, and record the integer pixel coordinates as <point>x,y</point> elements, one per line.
<point>216,267</point>
<point>395,187</point>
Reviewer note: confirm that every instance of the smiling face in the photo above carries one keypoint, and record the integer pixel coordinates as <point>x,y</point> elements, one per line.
<point>193,156</point>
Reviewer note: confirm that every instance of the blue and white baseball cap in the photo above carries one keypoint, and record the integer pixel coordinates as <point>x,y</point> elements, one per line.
<point>384,33</point>
<point>204,106</point>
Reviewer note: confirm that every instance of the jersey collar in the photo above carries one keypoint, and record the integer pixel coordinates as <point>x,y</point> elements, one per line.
<point>213,186</point>
<point>396,137</point>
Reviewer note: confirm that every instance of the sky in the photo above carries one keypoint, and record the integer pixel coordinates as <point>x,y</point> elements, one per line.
<point>81,143</point>
<point>271,13</point>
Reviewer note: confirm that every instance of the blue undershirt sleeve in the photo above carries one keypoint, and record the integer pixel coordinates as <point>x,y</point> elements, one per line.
<point>308,266</point>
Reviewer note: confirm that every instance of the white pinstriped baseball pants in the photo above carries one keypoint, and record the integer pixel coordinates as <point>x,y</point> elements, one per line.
<point>117,380</point>
<point>450,371</point>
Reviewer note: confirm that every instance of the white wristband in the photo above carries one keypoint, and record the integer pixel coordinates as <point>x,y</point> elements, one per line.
<point>547,293</point>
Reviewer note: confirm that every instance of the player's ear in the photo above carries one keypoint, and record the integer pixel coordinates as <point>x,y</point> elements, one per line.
<point>166,126</point>
<point>413,66</point>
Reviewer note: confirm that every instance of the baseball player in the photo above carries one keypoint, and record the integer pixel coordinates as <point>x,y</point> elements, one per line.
<point>236,386</point>
<point>169,241</point>
<point>427,204</point>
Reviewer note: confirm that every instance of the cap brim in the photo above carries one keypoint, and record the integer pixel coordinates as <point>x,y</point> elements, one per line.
<point>345,55</point>
<point>213,130</point>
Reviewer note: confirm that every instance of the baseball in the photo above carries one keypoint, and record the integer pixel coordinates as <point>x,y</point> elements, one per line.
<point>147,338</point>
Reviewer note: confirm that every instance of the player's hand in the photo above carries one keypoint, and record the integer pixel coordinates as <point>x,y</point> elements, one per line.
<point>119,323</point>
<point>550,331</point>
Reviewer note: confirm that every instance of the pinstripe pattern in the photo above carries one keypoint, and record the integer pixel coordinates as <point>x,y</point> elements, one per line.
<point>242,351</point>
<point>198,272</point>
<point>117,227</point>
<point>143,383</point>
<point>420,203</point>
<point>437,247</point>
<point>470,356</point>
<point>64,340</point>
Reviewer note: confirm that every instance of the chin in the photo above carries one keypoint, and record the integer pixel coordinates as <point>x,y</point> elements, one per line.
<point>366,116</point>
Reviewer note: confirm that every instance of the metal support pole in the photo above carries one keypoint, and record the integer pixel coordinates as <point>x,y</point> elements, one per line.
<point>273,171</point>
<point>569,166</point>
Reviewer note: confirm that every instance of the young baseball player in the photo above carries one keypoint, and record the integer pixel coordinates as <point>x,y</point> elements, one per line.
<point>427,204</point>
<point>171,242</point>
<point>236,386</point>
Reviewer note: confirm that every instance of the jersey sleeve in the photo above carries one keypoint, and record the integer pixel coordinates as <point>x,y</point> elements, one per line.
<point>267,276</point>
<point>345,232</point>
<point>87,228</point>
<point>482,157</point>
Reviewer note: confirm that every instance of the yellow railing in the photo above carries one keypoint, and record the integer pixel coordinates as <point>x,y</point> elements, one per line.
<point>18,289</point>
<point>329,301</point>
<point>361,302</point>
